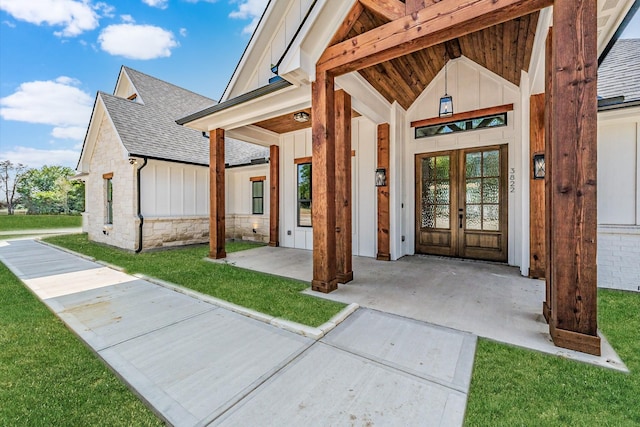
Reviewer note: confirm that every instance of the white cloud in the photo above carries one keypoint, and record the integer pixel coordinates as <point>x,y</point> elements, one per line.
<point>127,19</point>
<point>71,132</point>
<point>105,9</point>
<point>249,9</point>
<point>9,24</point>
<point>137,41</point>
<point>183,32</point>
<point>36,158</point>
<point>76,16</point>
<point>53,102</point>
<point>161,4</point>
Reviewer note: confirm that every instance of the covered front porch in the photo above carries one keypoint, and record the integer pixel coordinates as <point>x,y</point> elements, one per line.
<point>347,97</point>
<point>490,300</point>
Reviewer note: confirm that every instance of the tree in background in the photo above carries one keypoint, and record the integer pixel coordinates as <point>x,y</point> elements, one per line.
<point>10,177</point>
<point>49,190</point>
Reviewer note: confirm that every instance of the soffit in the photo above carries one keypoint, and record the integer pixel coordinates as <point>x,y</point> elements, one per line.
<point>504,49</point>
<point>285,123</point>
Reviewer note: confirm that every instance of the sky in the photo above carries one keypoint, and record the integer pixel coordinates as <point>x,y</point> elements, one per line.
<point>56,54</point>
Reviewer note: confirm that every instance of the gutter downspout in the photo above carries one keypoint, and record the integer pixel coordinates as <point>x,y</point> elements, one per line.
<point>139,208</point>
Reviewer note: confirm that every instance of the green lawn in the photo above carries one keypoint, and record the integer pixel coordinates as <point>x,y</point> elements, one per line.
<point>47,377</point>
<point>268,294</point>
<point>516,387</point>
<point>33,222</point>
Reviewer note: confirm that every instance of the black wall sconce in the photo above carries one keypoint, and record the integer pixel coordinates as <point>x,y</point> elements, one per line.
<point>381,177</point>
<point>538,166</point>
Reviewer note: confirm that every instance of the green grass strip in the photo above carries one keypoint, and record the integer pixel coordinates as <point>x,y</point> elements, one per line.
<point>47,377</point>
<point>276,296</point>
<point>38,222</point>
<point>515,387</point>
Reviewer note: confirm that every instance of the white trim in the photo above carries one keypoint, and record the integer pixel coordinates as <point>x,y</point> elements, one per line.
<point>256,38</point>
<point>255,135</point>
<point>364,98</point>
<point>536,65</point>
<point>619,229</point>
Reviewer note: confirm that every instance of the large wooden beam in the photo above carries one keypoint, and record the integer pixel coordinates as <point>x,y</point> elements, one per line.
<point>537,253</point>
<point>435,24</point>
<point>216,195</point>
<point>574,170</point>
<point>347,24</point>
<point>343,187</point>
<point>274,196</point>
<point>387,9</point>
<point>412,6</point>
<point>323,192</point>
<point>548,180</point>
<point>383,194</point>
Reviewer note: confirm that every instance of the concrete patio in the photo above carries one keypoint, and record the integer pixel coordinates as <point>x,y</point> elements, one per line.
<point>487,299</point>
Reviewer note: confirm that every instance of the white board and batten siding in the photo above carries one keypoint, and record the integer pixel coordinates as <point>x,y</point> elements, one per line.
<point>619,199</point>
<point>283,32</point>
<point>239,189</point>
<point>180,190</point>
<point>174,190</point>
<point>295,145</point>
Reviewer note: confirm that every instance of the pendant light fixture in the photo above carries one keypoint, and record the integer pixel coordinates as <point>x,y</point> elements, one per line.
<point>446,102</point>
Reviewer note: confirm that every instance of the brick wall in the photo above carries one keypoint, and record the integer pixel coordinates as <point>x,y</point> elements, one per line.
<point>619,257</point>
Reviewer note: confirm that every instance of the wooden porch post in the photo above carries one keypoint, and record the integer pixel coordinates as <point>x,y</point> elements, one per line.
<point>343,187</point>
<point>383,194</point>
<point>573,169</point>
<point>323,183</point>
<point>548,179</point>
<point>537,229</point>
<point>274,196</point>
<point>216,195</point>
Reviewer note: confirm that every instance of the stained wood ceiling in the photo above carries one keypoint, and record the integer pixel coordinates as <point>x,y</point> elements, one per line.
<point>285,123</point>
<point>504,49</point>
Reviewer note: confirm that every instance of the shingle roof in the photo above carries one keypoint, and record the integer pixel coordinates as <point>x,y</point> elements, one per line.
<point>619,73</point>
<point>149,128</point>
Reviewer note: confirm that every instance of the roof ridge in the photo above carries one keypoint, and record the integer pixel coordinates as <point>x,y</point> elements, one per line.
<point>126,68</point>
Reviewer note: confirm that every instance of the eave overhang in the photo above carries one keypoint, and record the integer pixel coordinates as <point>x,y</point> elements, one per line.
<point>245,97</point>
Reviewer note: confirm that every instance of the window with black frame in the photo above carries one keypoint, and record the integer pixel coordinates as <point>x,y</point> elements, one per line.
<point>257,197</point>
<point>304,195</point>
<point>491,121</point>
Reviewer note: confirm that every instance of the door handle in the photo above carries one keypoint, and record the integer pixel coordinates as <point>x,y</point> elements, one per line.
<point>460,217</point>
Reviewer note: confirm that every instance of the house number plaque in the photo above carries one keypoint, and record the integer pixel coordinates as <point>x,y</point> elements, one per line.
<point>512,180</point>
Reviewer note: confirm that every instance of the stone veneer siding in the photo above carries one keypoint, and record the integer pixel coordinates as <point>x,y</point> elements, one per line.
<point>109,156</point>
<point>174,231</point>
<point>619,257</point>
<point>240,227</point>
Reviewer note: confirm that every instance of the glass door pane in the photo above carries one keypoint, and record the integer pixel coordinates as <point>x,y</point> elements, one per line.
<point>436,195</point>
<point>482,190</point>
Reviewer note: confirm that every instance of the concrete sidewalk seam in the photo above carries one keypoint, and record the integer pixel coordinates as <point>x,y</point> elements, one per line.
<point>232,403</point>
<point>398,368</point>
<point>287,325</point>
<point>177,322</point>
<point>69,251</point>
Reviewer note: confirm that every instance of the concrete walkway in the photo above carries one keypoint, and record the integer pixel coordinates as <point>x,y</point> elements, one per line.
<point>7,234</point>
<point>196,363</point>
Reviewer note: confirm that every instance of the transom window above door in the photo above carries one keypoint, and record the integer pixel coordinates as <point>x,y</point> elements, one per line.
<point>462,122</point>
